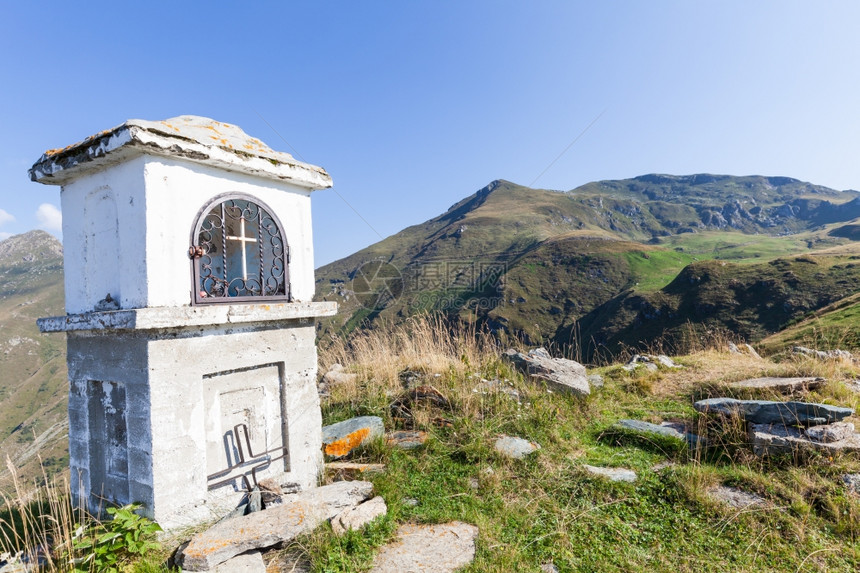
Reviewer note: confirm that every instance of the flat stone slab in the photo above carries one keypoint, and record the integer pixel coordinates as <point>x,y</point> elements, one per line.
<point>341,438</point>
<point>559,374</point>
<point>440,548</point>
<point>612,474</point>
<point>251,562</point>
<point>513,447</point>
<point>778,439</point>
<point>735,497</point>
<point>358,516</point>
<point>783,385</point>
<point>765,412</point>
<point>650,362</point>
<point>665,431</point>
<point>300,513</point>
<point>406,439</point>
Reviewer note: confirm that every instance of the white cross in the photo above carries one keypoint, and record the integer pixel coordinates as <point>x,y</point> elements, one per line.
<point>244,239</point>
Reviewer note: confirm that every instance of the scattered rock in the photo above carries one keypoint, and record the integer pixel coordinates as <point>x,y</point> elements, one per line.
<point>779,439</point>
<point>743,349</point>
<point>823,354</point>
<point>612,474</point>
<point>341,438</point>
<point>358,516</point>
<point>251,562</point>
<point>337,375</point>
<point>853,385</point>
<point>410,378</point>
<point>595,380</point>
<point>650,362</point>
<point>559,374</point>
<point>665,430</point>
<point>549,568</point>
<point>300,514</point>
<point>765,412</point>
<point>270,491</point>
<point>735,497</point>
<point>410,502</point>
<point>852,482</point>
<point>831,432</point>
<point>513,447</point>
<point>659,467</point>
<point>782,385</point>
<point>488,386</point>
<point>342,471</point>
<point>440,548</point>
<point>474,483</point>
<point>406,439</point>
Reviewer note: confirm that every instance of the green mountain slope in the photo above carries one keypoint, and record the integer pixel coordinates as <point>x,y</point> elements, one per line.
<point>535,263</point>
<point>33,389</point>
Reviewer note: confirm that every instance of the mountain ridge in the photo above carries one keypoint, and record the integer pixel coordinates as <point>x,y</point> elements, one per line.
<point>558,247</point>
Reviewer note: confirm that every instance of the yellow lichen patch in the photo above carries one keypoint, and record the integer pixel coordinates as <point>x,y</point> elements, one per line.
<point>346,444</point>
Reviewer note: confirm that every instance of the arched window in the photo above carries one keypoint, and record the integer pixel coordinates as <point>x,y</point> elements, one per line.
<point>239,252</point>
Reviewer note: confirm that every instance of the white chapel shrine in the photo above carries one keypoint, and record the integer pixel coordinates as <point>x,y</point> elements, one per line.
<point>189,279</point>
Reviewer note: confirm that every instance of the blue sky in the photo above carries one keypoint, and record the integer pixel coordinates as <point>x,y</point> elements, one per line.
<point>412,106</point>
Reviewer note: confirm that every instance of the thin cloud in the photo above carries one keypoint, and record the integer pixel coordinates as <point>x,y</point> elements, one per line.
<point>50,218</point>
<point>6,217</point>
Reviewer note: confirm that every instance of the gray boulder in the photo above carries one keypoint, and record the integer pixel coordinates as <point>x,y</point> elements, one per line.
<point>852,482</point>
<point>835,354</point>
<point>341,438</point>
<point>770,439</point>
<point>650,362</point>
<point>831,432</point>
<point>766,412</point>
<point>559,374</point>
<point>513,447</point>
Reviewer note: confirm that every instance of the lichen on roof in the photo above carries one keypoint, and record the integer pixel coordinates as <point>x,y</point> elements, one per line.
<point>188,136</point>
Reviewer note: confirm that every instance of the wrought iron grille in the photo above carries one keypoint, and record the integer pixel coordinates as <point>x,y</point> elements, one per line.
<point>239,253</point>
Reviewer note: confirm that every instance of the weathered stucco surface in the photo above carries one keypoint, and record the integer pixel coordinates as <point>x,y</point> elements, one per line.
<point>171,401</point>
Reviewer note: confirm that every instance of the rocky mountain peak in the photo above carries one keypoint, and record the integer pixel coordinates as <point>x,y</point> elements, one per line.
<point>29,247</point>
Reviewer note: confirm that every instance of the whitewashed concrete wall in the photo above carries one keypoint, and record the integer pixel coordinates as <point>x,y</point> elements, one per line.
<point>108,214</point>
<point>166,377</point>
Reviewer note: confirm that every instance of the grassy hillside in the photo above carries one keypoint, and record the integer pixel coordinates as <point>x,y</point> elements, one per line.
<point>33,389</point>
<point>547,508</point>
<point>561,263</point>
<point>745,301</point>
<point>834,326</point>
